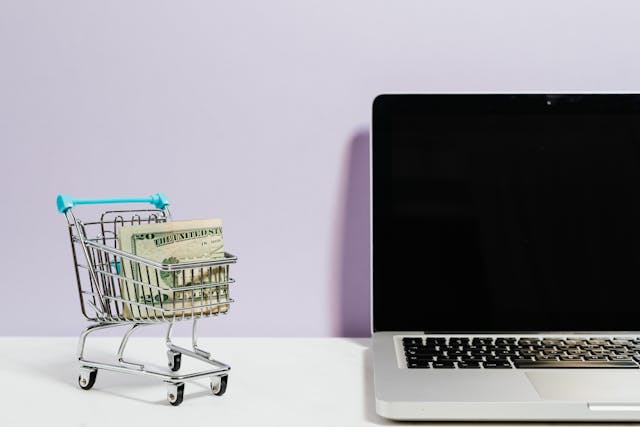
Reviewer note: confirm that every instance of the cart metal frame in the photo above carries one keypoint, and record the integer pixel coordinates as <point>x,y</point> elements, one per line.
<point>117,288</point>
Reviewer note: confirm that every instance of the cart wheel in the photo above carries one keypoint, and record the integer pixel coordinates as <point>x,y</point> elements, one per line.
<point>175,360</point>
<point>175,393</point>
<point>219,385</point>
<point>87,378</point>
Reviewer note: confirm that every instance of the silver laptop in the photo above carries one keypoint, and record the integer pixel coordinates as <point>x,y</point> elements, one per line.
<point>506,257</point>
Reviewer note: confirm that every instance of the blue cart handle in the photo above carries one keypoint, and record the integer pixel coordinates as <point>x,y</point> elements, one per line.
<point>65,202</point>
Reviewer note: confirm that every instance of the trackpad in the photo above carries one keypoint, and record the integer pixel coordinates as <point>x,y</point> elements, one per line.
<point>591,386</point>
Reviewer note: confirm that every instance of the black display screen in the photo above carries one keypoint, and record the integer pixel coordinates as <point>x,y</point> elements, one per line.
<point>506,213</point>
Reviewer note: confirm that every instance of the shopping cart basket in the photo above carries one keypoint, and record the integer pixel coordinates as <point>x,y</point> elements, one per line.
<point>119,288</point>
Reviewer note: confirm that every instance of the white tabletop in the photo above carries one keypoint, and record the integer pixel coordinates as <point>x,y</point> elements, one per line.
<point>273,382</point>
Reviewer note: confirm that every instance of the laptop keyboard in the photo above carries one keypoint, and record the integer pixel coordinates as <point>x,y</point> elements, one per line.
<point>508,353</point>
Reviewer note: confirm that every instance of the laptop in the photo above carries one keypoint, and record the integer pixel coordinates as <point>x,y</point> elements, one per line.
<point>506,257</point>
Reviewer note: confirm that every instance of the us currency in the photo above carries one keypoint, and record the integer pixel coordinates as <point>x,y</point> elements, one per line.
<point>173,243</point>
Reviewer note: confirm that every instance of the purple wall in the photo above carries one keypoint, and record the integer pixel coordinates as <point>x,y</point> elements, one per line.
<point>257,112</point>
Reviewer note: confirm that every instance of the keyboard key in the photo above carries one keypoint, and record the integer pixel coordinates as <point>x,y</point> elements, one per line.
<point>547,357</point>
<point>528,341</point>
<point>414,365</point>
<point>530,364</point>
<point>590,347</point>
<point>619,357</point>
<point>549,347</point>
<point>496,364</point>
<point>599,341</point>
<point>443,365</point>
<point>445,358</point>
<point>412,341</point>
<point>410,353</point>
<point>468,365</point>
<point>570,357</point>
<point>474,358</point>
<point>419,358</point>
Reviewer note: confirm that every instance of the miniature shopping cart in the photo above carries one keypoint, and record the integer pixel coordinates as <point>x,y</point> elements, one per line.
<point>119,288</point>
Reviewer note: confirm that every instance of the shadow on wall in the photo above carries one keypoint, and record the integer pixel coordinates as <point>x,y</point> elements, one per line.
<point>353,295</point>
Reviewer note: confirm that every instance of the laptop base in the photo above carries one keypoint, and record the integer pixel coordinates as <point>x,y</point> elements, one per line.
<point>499,395</point>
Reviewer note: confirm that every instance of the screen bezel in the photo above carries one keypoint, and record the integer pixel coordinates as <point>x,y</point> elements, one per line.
<point>387,105</point>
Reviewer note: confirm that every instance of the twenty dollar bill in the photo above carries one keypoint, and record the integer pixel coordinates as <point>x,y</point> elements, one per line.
<point>173,242</point>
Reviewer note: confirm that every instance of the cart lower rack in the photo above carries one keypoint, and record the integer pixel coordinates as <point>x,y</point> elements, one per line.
<point>117,288</point>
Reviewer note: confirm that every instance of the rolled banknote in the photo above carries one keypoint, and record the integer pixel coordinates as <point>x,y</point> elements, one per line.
<point>173,243</point>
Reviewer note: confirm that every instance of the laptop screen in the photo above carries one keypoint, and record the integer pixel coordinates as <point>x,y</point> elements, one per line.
<point>506,213</point>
